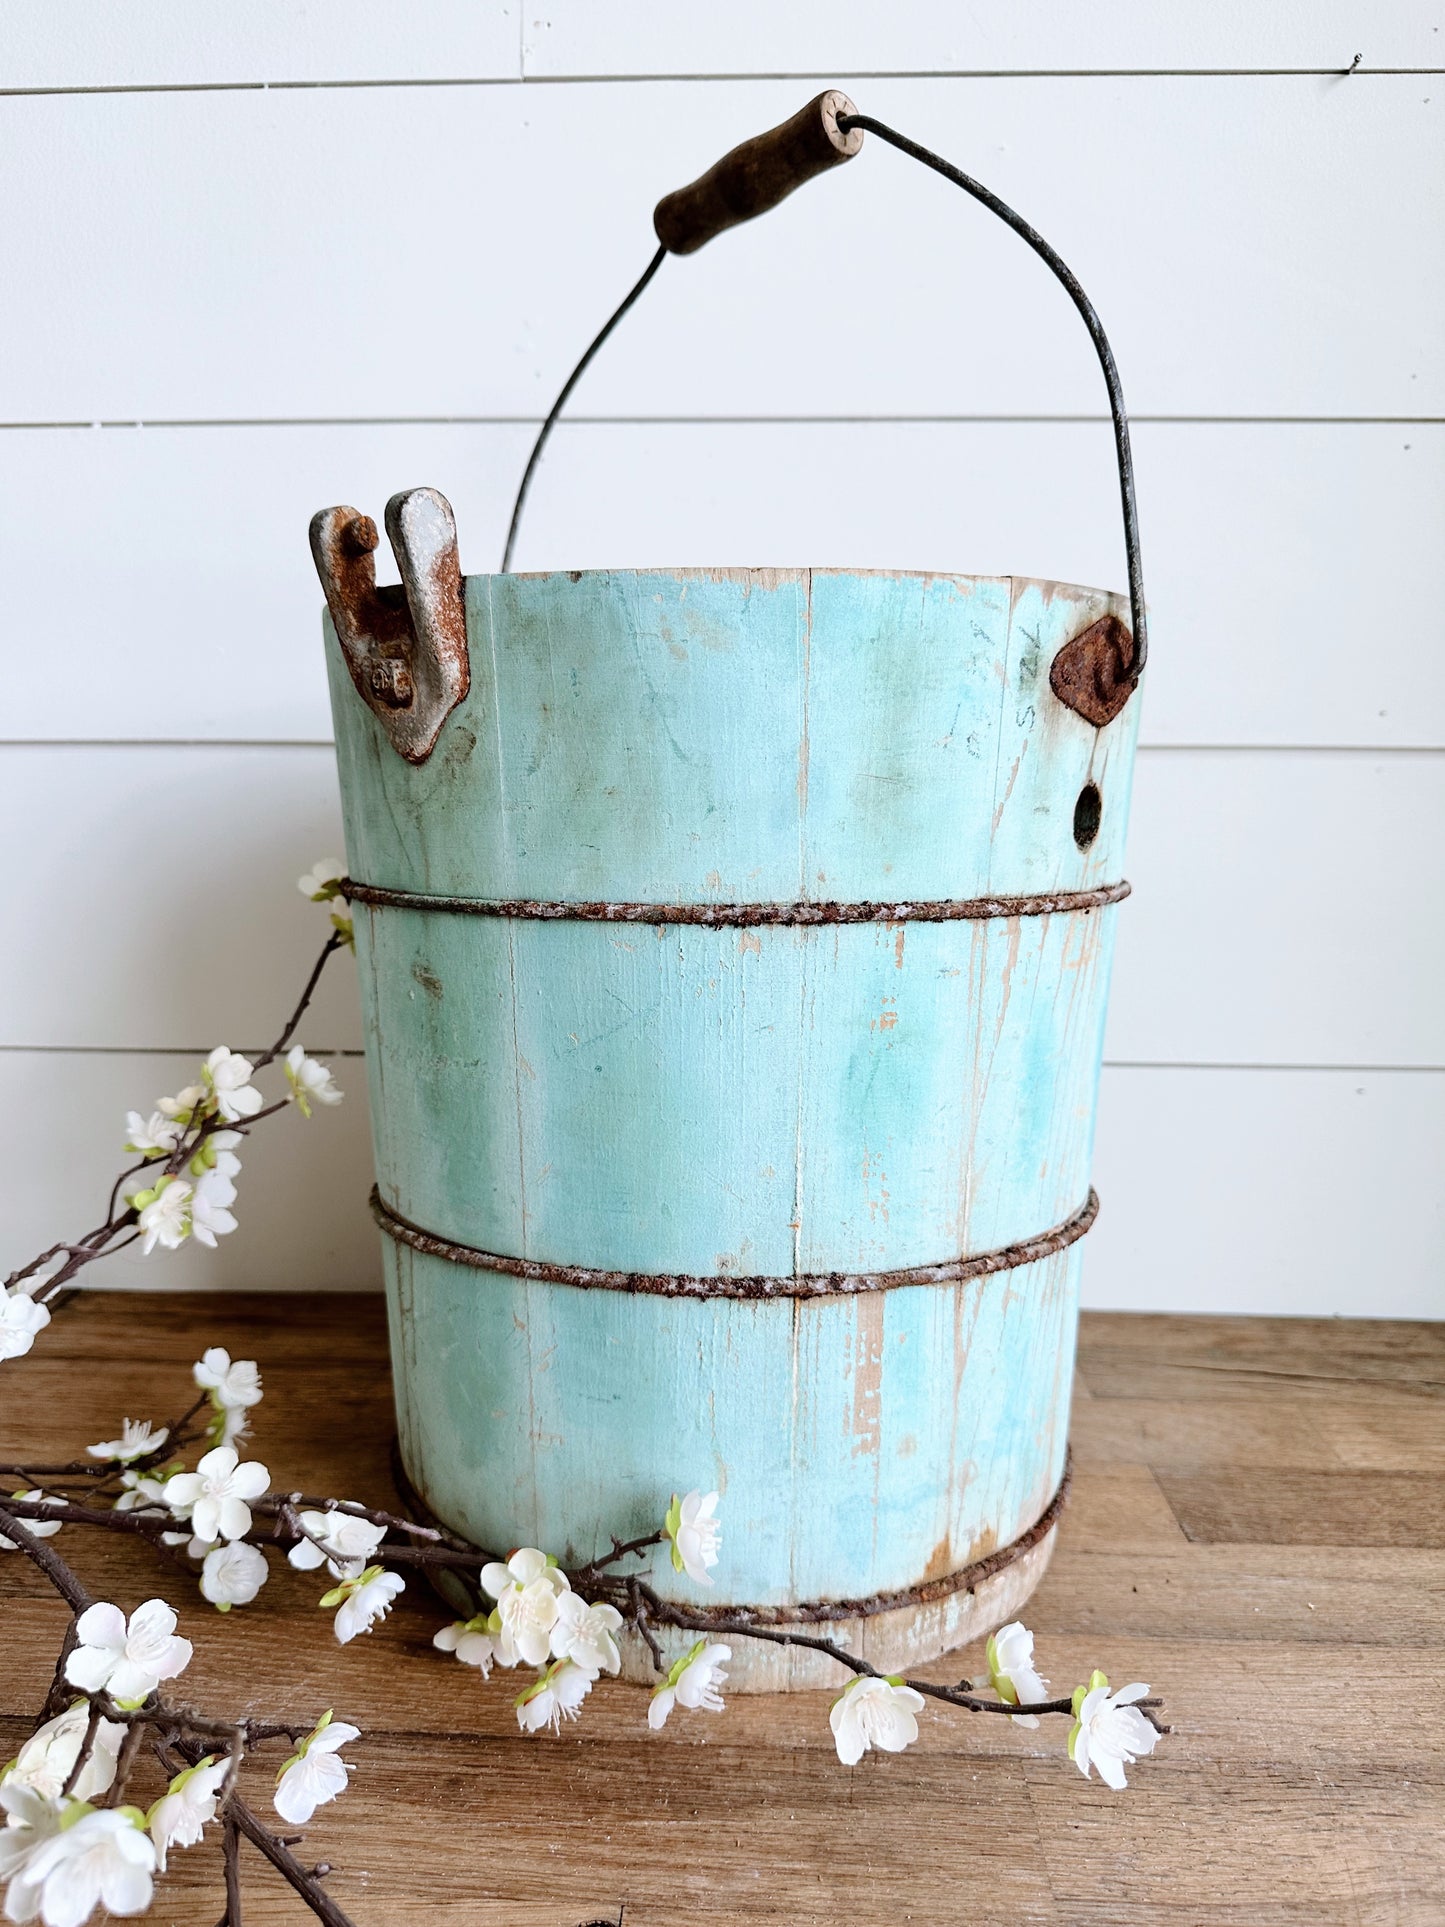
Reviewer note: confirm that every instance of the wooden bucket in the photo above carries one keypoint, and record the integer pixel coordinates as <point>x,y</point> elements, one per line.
<point>734,947</point>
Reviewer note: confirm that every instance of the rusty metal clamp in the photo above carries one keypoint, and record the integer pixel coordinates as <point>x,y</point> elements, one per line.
<point>405,644</point>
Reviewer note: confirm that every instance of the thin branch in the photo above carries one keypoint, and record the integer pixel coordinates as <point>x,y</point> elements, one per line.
<point>333,943</point>
<point>230,1852</point>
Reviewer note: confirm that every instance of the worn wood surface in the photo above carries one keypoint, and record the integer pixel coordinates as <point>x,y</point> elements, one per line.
<point>1302,1787</point>
<point>793,1100</point>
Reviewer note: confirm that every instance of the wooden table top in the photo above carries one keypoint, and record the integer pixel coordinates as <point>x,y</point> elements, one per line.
<point>1257,1528</point>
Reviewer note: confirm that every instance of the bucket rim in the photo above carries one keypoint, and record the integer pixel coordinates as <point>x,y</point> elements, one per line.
<point>752,576</point>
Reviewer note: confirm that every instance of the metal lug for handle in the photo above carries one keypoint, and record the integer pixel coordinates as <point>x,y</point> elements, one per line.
<point>406,646</point>
<point>1093,673</point>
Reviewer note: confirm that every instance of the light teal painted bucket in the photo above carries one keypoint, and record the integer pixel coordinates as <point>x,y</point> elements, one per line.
<point>734,947</point>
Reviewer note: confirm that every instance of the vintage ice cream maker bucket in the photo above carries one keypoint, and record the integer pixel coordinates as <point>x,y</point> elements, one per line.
<point>734,946</point>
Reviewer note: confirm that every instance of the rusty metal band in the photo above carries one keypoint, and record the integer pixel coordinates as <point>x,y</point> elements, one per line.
<point>817,1284</point>
<point>819,1611</point>
<point>745,915</point>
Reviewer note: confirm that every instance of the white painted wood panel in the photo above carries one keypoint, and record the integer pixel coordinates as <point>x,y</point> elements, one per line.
<point>169,43</point>
<point>1301,1192</point>
<point>860,37</point>
<point>1266,547</point>
<point>1255,246</point>
<point>1285,904</point>
<point>151,899</point>
<point>303,1223</point>
<point>1214,1186</point>
<point>177,43</point>
<point>1289,909</point>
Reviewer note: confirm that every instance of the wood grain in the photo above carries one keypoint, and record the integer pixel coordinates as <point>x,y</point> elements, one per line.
<point>1280,1800</point>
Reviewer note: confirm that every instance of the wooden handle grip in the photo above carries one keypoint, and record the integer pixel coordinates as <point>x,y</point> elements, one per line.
<point>757,175</point>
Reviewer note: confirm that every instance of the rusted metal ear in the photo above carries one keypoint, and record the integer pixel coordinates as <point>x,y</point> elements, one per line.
<point>1094,672</point>
<point>406,646</point>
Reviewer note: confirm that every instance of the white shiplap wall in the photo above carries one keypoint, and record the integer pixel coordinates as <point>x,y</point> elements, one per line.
<point>302,254</point>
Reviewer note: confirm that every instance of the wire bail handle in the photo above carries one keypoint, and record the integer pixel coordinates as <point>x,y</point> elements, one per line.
<point>1095,672</point>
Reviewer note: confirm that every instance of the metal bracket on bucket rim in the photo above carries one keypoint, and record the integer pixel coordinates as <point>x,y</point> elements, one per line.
<point>405,644</point>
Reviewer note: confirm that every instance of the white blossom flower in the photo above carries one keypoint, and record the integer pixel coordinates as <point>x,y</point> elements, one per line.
<point>315,1773</point>
<point>21,1317</point>
<point>179,1817</point>
<point>101,1858</point>
<point>142,1493</point>
<point>556,1696</point>
<point>228,1078</point>
<point>137,1438</point>
<point>1011,1670</point>
<point>1109,1732</point>
<point>311,1083</point>
<point>233,1388</point>
<point>45,1760</point>
<point>692,1529</point>
<point>216,1151</point>
<point>195,1548</point>
<point>153,1137</point>
<point>235,1383</point>
<point>586,1634</point>
<point>210,1218</point>
<point>693,1683</point>
<point>37,1528</point>
<point>216,1493</point>
<point>182,1107</point>
<point>32,1819</point>
<point>164,1213</point>
<point>346,1543</point>
<point>526,1590</point>
<point>874,1712</point>
<point>126,1658</point>
<point>321,880</point>
<point>470,1641</point>
<point>232,1574</point>
<point>362,1601</point>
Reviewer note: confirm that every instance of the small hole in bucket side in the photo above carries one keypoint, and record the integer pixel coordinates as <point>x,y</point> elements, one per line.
<point>1088,812</point>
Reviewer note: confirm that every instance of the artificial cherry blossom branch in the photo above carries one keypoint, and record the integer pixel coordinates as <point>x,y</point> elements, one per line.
<point>180,1731</point>
<point>189,1146</point>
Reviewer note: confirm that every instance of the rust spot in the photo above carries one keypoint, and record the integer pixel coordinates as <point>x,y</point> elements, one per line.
<point>1094,673</point>
<point>898,939</point>
<point>428,979</point>
<point>940,1560</point>
<point>982,1546</point>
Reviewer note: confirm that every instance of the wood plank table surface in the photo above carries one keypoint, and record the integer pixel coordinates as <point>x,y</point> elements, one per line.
<point>1257,1528</point>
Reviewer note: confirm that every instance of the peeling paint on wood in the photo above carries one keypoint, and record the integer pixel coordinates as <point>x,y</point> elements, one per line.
<point>797,1099</point>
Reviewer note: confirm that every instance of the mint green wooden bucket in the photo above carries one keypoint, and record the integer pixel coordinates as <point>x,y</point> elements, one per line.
<point>734,948</point>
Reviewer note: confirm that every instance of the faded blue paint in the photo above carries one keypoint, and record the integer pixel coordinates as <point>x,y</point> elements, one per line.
<point>776,1100</point>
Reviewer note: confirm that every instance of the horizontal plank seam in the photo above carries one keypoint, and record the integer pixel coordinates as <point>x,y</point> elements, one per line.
<point>701,76</point>
<point>881,419</point>
<point>1109,1063</point>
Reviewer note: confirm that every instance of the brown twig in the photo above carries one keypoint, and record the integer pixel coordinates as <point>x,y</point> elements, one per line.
<point>230,1854</point>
